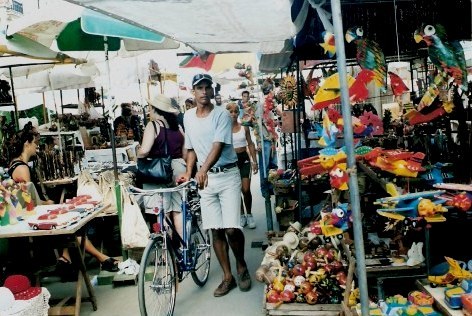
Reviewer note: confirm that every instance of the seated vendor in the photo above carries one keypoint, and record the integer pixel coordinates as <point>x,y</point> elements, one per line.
<point>24,147</point>
<point>128,124</point>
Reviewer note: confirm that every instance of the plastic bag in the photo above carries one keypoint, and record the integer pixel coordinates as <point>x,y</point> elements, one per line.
<point>134,231</point>
<point>86,185</point>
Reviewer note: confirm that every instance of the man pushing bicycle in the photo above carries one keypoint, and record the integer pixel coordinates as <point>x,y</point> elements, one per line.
<point>208,139</point>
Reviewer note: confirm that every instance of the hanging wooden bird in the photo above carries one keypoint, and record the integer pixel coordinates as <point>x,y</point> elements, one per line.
<point>369,55</point>
<point>397,84</point>
<point>447,56</point>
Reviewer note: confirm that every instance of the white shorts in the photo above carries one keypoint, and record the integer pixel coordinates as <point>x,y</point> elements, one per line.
<point>221,200</point>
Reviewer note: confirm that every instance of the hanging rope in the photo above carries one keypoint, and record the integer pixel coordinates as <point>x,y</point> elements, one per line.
<point>396,28</point>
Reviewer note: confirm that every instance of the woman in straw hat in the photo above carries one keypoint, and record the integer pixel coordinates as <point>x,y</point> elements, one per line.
<point>163,125</point>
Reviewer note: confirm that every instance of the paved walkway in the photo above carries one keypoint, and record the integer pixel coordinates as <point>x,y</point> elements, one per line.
<point>192,300</point>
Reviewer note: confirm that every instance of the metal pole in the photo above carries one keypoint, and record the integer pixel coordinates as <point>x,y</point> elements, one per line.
<point>268,207</point>
<point>110,110</point>
<point>14,99</point>
<point>351,159</point>
<point>298,135</point>
<point>62,102</point>
<point>103,101</point>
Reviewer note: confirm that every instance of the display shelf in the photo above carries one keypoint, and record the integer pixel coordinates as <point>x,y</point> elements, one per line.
<point>438,295</point>
<point>382,273</point>
<point>105,154</point>
<point>77,137</point>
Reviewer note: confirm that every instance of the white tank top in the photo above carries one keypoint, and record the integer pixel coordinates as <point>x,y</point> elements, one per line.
<point>239,138</point>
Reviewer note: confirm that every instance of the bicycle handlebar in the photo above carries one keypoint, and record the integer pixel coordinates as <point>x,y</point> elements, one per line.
<point>135,190</point>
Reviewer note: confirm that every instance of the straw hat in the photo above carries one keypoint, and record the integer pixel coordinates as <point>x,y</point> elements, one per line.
<point>311,236</point>
<point>296,226</point>
<point>290,239</point>
<point>162,103</point>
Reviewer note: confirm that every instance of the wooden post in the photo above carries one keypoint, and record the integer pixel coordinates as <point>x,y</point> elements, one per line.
<point>45,110</point>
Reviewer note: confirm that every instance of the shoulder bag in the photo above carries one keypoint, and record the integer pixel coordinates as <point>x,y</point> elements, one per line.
<point>156,170</point>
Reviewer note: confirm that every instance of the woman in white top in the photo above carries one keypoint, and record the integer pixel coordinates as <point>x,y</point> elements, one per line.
<point>247,160</point>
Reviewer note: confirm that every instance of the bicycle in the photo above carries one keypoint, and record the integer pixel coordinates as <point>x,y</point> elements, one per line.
<point>168,258</point>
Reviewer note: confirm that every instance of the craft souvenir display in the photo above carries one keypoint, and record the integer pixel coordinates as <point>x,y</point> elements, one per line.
<point>455,273</point>
<point>288,92</point>
<point>56,220</point>
<point>369,55</point>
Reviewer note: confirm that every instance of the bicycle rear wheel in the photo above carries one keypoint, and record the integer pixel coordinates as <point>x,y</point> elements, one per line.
<point>200,241</point>
<point>157,281</point>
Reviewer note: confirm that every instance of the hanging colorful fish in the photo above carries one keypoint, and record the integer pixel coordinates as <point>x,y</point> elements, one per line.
<point>328,44</point>
<point>369,55</point>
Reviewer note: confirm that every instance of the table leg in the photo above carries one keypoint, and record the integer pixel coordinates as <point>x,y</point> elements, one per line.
<point>78,294</point>
<point>85,276</point>
<point>63,192</point>
<point>380,291</point>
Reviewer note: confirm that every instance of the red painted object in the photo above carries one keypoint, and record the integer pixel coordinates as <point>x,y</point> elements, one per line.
<point>467,302</point>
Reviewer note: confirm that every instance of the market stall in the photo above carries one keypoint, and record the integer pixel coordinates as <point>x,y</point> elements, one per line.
<point>373,148</point>
<point>383,144</point>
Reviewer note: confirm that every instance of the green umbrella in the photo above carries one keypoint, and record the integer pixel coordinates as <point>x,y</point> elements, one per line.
<point>19,45</point>
<point>78,29</point>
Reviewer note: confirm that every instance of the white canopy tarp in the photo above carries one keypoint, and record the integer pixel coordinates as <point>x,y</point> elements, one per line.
<point>60,77</point>
<point>215,26</point>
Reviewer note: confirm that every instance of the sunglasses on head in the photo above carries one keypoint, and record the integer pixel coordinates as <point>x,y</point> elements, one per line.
<point>201,76</point>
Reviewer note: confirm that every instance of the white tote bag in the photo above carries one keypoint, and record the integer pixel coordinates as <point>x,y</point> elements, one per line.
<point>86,185</point>
<point>134,231</point>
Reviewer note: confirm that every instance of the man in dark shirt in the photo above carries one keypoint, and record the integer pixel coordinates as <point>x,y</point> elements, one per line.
<point>128,124</point>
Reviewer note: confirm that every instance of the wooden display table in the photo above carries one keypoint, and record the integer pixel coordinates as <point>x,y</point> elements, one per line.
<point>67,236</point>
<point>438,295</point>
<point>300,309</point>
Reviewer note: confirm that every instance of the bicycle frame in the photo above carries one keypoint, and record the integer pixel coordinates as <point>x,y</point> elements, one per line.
<point>185,262</point>
<point>172,258</point>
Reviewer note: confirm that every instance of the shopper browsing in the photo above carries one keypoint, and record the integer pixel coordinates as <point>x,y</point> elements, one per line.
<point>208,139</point>
<point>247,162</point>
<point>163,131</point>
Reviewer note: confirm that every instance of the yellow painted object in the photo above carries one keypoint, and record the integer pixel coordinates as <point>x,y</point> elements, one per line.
<point>455,273</point>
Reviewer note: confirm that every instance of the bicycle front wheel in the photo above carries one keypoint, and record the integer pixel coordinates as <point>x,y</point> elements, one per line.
<point>201,249</point>
<point>157,281</point>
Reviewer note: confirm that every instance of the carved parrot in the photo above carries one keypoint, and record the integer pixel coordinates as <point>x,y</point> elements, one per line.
<point>447,56</point>
<point>369,55</point>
